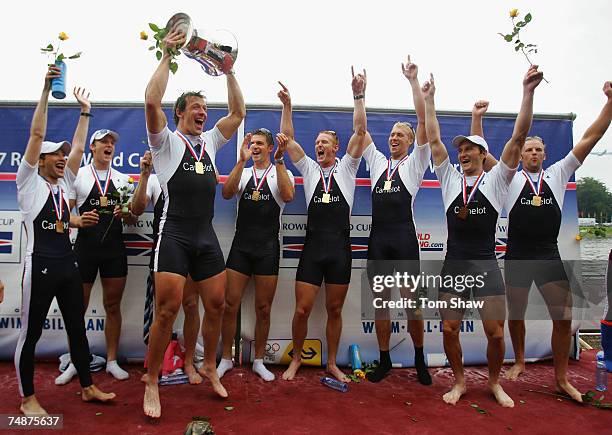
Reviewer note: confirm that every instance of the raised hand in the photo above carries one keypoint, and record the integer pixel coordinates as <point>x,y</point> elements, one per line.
<point>284,95</point>
<point>429,88</point>
<point>52,72</point>
<point>281,141</point>
<point>607,88</point>
<point>410,70</point>
<point>82,98</point>
<point>89,219</point>
<point>480,108</point>
<point>532,79</point>
<point>245,151</point>
<point>146,164</point>
<point>172,41</point>
<point>359,82</point>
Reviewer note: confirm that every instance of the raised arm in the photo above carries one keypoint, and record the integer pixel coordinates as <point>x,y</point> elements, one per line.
<point>411,71</point>
<point>596,130</point>
<point>357,142</point>
<point>80,134</point>
<point>235,106</point>
<point>139,199</point>
<point>296,153</point>
<point>512,150</point>
<point>478,112</point>
<point>438,150</point>
<point>156,119</point>
<point>230,187</point>
<point>38,128</point>
<point>283,182</point>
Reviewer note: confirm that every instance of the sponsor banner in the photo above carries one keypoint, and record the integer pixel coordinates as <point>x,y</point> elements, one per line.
<point>280,351</point>
<point>10,237</point>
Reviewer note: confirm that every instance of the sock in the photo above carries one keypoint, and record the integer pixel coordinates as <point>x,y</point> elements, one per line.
<point>67,376</point>
<point>118,373</point>
<point>383,368</point>
<point>421,367</point>
<point>261,370</point>
<point>225,365</point>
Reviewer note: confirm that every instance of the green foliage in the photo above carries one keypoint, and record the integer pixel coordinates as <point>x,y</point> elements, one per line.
<point>59,57</point>
<point>594,199</point>
<point>159,35</point>
<point>513,37</point>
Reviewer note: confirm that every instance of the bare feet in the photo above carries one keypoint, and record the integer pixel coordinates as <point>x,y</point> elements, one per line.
<point>333,370</point>
<point>94,394</point>
<point>150,404</point>
<point>514,372</point>
<point>567,388</point>
<point>500,395</point>
<point>192,374</point>
<point>30,406</point>
<point>211,374</point>
<point>453,396</point>
<point>294,366</point>
<point>144,378</point>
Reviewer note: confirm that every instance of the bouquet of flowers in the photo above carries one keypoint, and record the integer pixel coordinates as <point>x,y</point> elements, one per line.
<point>123,196</point>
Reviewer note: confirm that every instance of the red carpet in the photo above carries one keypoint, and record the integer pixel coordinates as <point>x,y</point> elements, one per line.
<point>396,405</point>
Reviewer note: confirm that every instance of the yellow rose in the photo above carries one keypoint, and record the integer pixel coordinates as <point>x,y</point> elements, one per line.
<point>131,180</point>
<point>62,36</point>
<point>578,237</point>
<point>513,13</point>
<point>144,36</point>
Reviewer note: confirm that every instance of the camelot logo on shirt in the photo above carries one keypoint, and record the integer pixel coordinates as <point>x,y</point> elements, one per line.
<point>393,189</point>
<point>262,196</point>
<point>96,202</point>
<point>477,210</point>
<point>46,225</point>
<point>527,201</point>
<point>191,167</point>
<point>332,198</point>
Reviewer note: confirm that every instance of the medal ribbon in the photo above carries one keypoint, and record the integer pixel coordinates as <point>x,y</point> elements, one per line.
<point>466,199</point>
<point>538,190</point>
<point>259,183</point>
<point>98,182</point>
<point>391,173</point>
<point>190,147</point>
<point>58,203</point>
<point>327,185</point>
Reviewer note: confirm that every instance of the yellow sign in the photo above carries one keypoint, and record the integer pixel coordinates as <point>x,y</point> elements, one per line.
<point>311,353</point>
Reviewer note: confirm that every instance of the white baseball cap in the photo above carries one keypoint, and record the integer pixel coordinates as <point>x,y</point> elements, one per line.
<point>100,134</point>
<point>475,139</point>
<point>51,147</point>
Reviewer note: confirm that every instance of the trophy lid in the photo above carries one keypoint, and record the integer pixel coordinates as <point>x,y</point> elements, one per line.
<point>181,22</point>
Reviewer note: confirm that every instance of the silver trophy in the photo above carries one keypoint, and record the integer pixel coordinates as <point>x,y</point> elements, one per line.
<point>215,58</point>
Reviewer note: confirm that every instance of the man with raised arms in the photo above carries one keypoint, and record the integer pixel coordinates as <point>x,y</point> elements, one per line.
<point>329,187</point>
<point>184,161</point>
<point>393,245</point>
<point>473,202</point>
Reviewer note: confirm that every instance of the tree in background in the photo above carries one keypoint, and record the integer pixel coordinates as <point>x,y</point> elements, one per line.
<point>594,199</point>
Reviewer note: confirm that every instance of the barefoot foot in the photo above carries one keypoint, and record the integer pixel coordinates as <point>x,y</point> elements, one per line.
<point>453,396</point>
<point>294,366</point>
<point>566,388</point>
<point>514,372</point>
<point>333,370</point>
<point>94,394</point>
<point>30,406</point>
<point>211,374</point>
<point>150,404</point>
<point>192,374</point>
<point>500,395</point>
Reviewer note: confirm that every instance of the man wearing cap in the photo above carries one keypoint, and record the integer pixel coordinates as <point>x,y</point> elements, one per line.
<point>473,202</point>
<point>99,244</point>
<point>184,161</point>
<point>50,270</point>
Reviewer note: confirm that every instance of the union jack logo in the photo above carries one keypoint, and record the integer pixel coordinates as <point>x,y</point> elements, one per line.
<point>6,242</point>
<point>500,248</point>
<point>293,246</point>
<point>138,245</point>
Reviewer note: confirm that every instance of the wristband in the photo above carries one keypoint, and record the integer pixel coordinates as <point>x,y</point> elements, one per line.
<point>280,161</point>
<point>358,97</point>
<point>86,114</point>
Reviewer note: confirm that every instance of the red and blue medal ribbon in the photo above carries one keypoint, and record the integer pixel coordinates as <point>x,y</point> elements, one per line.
<point>101,189</point>
<point>190,147</point>
<point>536,190</point>
<point>466,198</point>
<point>259,183</point>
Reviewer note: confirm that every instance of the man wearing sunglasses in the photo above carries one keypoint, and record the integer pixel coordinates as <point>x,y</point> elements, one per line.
<point>187,244</point>
<point>329,187</point>
<point>393,245</point>
<point>263,190</point>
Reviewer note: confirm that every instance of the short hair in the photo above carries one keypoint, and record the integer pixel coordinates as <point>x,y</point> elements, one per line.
<point>333,134</point>
<point>409,127</point>
<point>538,138</point>
<point>264,132</point>
<point>181,102</point>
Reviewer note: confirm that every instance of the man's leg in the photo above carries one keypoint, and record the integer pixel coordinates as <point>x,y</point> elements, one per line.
<point>305,295</point>
<point>212,292</point>
<point>334,301</point>
<point>168,296</point>
<point>416,327</point>
<point>517,298</point>
<point>236,283</point>
<point>191,328</point>
<point>112,294</point>
<point>265,288</point>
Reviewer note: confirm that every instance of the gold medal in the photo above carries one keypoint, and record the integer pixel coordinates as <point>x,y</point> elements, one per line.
<point>536,200</point>
<point>103,201</point>
<point>463,213</point>
<point>387,185</point>
<point>59,227</point>
<point>326,198</point>
<point>199,167</point>
<point>255,196</point>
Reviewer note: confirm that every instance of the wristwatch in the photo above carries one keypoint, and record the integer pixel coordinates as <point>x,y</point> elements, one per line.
<point>280,161</point>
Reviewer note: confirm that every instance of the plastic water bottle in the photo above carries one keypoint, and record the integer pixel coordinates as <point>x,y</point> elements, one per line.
<point>601,374</point>
<point>335,384</point>
<point>355,357</point>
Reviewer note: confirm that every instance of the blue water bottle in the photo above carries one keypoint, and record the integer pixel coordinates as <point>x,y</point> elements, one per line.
<point>355,357</point>
<point>58,84</point>
<point>335,384</point>
<point>601,374</point>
